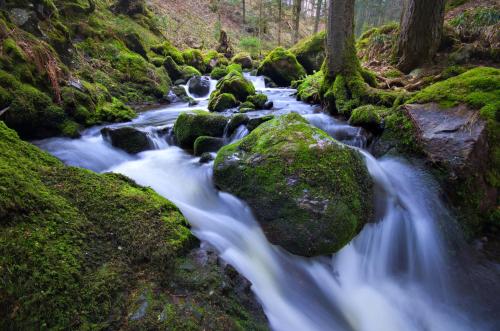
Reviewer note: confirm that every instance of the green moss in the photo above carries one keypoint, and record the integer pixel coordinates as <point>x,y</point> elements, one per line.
<point>60,267</point>
<point>393,73</point>
<point>309,89</point>
<point>188,72</point>
<point>318,168</point>
<point>218,72</point>
<point>32,113</point>
<point>194,58</point>
<point>191,125</point>
<point>221,101</point>
<point>205,144</point>
<point>258,100</point>
<point>310,52</point>
<point>114,111</point>
<point>70,129</point>
<point>235,84</point>
<point>478,87</point>
<point>5,98</point>
<point>244,59</point>
<point>367,116</point>
<point>214,59</point>
<point>167,49</point>
<point>282,67</point>
<point>234,67</point>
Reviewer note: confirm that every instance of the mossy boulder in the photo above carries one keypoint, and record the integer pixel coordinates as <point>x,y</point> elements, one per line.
<point>218,72</point>
<point>253,123</point>
<point>212,59</point>
<point>237,85</point>
<point>258,100</point>
<point>282,67</point>
<point>177,72</point>
<point>129,139</point>
<point>167,49</point>
<point>194,58</point>
<point>75,246</point>
<point>222,101</point>
<point>191,125</point>
<point>310,193</point>
<point>310,52</point>
<point>206,144</point>
<point>368,117</point>
<point>243,59</point>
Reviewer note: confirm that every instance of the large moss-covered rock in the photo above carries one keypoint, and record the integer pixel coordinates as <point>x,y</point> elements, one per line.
<point>282,67</point>
<point>237,85</point>
<point>194,58</point>
<point>309,88</point>
<point>191,125</point>
<point>75,246</point>
<point>310,193</point>
<point>221,101</point>
<point>127,138</point>
<point>243,59</point>
<point>310,52</point>
<point>206,144</point>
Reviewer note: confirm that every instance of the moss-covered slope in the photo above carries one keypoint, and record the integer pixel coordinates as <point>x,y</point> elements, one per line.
<point>80,250</point>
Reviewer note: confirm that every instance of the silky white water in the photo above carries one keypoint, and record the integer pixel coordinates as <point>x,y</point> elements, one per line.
<point>394,275</point>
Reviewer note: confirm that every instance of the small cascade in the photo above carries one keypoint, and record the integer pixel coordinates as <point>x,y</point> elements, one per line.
<point>258,81</point>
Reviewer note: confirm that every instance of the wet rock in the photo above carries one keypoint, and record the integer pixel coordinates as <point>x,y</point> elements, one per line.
<point>206,157</point>
<point>268,105</point>
<point>255,122</point>
<point>243,59</point>
<point>455,139</point>
<point>235,122</point>
<point>310,194</point>
<point>269,82</point>
<point>310,52</point>
<point>206,144</point>
<point>199,86</point>
<point>171,97</point>
<point>191,125</point>
<point>282,67</point>
<point>129,139</point>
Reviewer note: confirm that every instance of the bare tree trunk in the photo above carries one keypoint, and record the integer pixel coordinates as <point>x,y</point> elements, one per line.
<point>280,7</point>
<point>420,32</point>
<point>340,50</point>
<point>296,26</point>
<point>318,15</point>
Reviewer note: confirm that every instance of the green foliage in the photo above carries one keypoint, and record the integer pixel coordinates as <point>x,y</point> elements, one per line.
<point>309,89</point>
<point>114,111</point>
<point>476,18</point>
<point>393,73</point>
<point>282,67</point>
<point>251,45</point>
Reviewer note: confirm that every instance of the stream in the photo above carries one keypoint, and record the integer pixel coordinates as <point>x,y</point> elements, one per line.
<point>395,275</point>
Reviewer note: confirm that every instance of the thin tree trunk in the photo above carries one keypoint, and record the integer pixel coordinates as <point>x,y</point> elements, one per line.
<point>280,7</point>
<point>340,50</point>
<point>296,25</point>
<point>420,32</point>
<point>243,5</point>
<point>318,15</point>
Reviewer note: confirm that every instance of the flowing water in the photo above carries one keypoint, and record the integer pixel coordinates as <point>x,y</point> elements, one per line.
<point>395,275</point>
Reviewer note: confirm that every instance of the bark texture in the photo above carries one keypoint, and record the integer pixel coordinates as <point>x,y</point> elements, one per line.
<point>318,15</point>
<point>296,20</point>
<point>340,50</point>
<point>420,32</point>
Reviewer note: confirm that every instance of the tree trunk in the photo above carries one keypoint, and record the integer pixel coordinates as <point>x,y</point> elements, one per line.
<point>296,24</point>
<point>318,15</point>
<point>243,5</point>
<point>280,6</point>
<point>340,50</point>
<point>420,32</point>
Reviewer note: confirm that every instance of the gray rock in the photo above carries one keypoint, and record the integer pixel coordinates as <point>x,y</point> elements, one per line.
<point>199,86</point>
<point>129,139</point>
